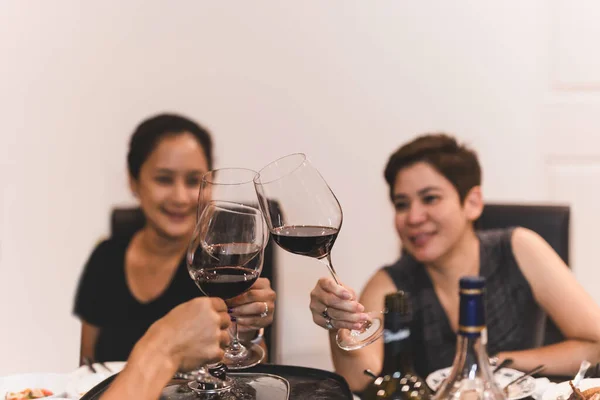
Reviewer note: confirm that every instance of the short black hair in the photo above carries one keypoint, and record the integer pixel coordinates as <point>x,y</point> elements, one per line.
<point>456,162</point>
<point>149,132</point>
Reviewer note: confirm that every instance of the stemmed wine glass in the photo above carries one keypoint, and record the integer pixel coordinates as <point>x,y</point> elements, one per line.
<point>233,185</point>
<point>225,258</point>
<point>304,218</point>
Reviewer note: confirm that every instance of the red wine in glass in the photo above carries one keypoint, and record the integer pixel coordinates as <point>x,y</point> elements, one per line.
<point>230,272</point>
<point>304,218</point>
<point>306,240</point>
<point>225,259</point>
<point>226,282</point>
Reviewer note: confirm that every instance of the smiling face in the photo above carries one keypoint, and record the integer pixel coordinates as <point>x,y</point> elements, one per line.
<point>168,185</point>
<point>430,218</point>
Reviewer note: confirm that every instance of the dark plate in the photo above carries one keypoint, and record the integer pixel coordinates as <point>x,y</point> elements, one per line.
<point>305,383</point>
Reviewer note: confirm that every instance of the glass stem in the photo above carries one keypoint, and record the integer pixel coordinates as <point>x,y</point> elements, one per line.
<point>336,278</point>
<point>235,347</point>
<point>329,265</point>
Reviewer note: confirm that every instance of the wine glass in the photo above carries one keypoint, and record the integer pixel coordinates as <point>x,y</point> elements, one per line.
<point>227,184</point>
<point>304,218</point>
<point>236,186</point>
<point>225,258</point>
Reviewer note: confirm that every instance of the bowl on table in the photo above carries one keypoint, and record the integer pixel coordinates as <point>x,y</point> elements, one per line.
<point>54,383</point>
<point>83,378</point>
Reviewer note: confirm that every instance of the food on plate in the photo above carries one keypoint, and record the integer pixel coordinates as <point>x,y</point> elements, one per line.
<point>589,394</point>
<point>28,394</point>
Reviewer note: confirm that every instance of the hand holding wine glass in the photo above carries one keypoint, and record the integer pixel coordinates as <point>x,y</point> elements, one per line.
<point>197,332</point>
<point>254,309</point>
<point>191,334</point>
<point>304,218</point>
<point>225,259</point>
<point>341,305</point>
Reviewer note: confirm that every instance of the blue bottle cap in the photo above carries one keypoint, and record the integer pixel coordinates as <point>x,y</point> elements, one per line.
<point>472,311</point>
<point>472,282</point>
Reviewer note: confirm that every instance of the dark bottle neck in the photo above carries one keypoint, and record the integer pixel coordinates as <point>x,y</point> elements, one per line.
<point>398,353</point>
<point>472,313</point>
<point>470,347</point>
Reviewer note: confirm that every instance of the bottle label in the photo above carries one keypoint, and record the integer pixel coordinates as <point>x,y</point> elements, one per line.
<point>391,336</point>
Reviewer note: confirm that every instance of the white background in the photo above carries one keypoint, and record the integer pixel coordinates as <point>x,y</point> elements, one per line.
<point>344,81</point>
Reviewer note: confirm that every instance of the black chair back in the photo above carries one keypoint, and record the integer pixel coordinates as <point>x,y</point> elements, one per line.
<point>549,221</point>
<point>124,222</point>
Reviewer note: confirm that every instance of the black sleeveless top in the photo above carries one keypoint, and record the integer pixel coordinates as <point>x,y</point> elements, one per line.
<point>512,314</point>
<point>104,300</point>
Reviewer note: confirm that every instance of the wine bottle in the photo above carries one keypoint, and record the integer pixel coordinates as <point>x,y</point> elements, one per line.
<point>398,379</point>
<point>471,376</point>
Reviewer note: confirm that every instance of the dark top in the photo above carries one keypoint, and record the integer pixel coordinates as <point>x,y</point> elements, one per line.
<point>514,319</point>
<point>103,299</point>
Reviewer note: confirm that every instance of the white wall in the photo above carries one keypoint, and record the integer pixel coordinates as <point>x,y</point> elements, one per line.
<point>345,82</point>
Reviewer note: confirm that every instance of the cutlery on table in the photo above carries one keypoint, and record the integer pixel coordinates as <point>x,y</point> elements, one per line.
<point>520,379</point>
<point>503,364</point>
<point>88,363</point>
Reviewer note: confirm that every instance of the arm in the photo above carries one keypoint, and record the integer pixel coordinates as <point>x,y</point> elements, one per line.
<point>345,314</point>
<point>148,370</point>
<point>190,335</point>
<point>560,295</point>
<point>89,336</point>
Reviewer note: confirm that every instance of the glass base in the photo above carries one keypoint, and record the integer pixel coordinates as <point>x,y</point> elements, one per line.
<point>251,355</point>
<point>245,386</point>
<point>357,339</point>
<point>208,384</point>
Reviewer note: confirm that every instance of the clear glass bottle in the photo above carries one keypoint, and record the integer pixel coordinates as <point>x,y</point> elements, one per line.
<point>398,379</point>
<point>471,377</point>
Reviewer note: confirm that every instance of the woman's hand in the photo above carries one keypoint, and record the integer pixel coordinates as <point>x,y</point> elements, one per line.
<point>192,334</point>
<point>196,332</point>
<point>330,302</point>
<point>254,309</point>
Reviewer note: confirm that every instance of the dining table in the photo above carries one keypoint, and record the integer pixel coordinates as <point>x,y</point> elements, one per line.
<point>304,384</point>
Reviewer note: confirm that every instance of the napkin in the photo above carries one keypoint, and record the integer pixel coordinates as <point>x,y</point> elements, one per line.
<point>541,385</point>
